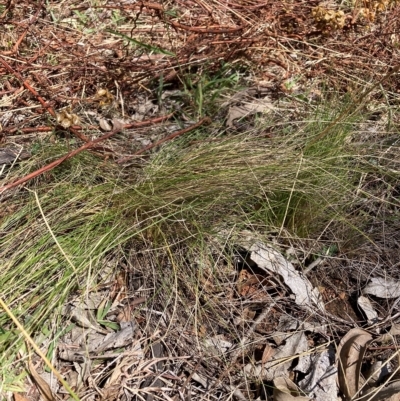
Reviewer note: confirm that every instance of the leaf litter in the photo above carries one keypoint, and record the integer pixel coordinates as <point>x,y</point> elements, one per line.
<point>298,367</point>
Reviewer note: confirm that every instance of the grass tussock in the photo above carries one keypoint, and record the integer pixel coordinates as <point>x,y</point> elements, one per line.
<point>72,229</point>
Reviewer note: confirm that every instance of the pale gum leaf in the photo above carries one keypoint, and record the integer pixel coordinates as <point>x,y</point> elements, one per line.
<point>383,288</point>
<point>271,260</point>
<point>286,390</point>
<point>104,125</point>
<point>365,304</point>
<point>247,109</point>
<point>350,353</point>
<point>42,385</point>
<point>268,353</point>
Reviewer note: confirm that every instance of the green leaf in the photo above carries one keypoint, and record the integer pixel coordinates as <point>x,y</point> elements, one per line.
<point>103,310</point>
<point>111,325</point>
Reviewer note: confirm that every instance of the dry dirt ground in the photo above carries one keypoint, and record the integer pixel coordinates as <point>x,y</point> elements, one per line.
<point>94,72</point>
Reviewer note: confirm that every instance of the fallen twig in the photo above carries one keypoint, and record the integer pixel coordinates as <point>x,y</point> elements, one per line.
<point>205,120</point>
<point>88,145</point>
<point>59,161</point>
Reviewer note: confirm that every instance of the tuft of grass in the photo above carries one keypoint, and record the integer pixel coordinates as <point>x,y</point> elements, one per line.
<point>87,214</point>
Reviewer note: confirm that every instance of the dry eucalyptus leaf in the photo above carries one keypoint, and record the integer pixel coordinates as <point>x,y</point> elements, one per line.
<point>218,344</point>
<point>383,288</point>
<point>282,360</point>
<point>116,340</point>
<point>350,354</point>
<point>247,109</point>
<point>288,324</point>
<point>104,124</point>
<point>43,387</point>
<point>203,380</point>
<point>268,353</point>
<point>395,329</point>
<point>271,260</point>
<point>320,382</point>
<point>365,305</point>
<point>129,359</point>
<point>117,124</point>
<point>92,341</point>
<point>286,390</point>
<point>394,397</point>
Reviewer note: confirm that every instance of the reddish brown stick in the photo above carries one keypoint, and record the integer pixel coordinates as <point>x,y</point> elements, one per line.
<point>149,122</point>
<point>86,146</point>
<point>205,120</point>
<point>58,161</point>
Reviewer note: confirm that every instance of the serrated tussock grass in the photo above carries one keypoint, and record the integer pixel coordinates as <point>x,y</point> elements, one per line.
<point>187,191</point>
